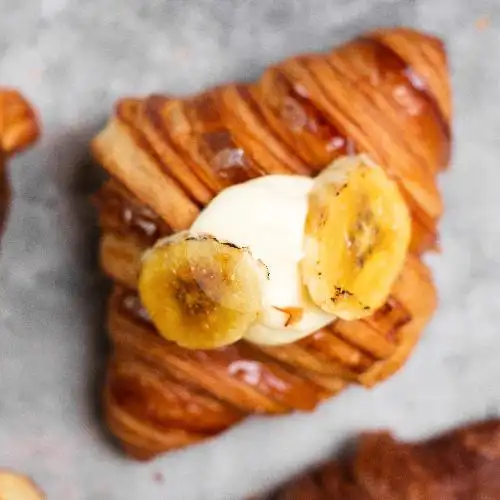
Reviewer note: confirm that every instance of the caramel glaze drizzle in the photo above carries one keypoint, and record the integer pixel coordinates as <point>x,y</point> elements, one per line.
<point>227,136</point>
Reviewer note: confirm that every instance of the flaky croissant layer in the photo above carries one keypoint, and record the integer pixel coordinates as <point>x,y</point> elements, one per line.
<point>18,129</point>
<point>386,94</point>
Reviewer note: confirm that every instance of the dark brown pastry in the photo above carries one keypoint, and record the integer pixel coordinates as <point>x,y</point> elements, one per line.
<point>385,93</point>
<point>18,129</point>
<point>461,465</point>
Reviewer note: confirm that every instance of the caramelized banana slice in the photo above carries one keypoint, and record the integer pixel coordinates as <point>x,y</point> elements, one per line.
<point>14,486</point>
<point>200,292</point>
<point>356,238</point>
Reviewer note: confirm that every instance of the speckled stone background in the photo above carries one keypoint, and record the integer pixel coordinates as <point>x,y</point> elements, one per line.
<point>74,59</point>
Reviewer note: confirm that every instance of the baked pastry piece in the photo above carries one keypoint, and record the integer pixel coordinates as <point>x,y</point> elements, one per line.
<point>386,94</point>
<point>463,464</point>
<point>18,129</point>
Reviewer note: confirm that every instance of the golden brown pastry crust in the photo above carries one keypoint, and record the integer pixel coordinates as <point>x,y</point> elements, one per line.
<point>18,129</point>
<point>385,93</point>
<point>18,124</point>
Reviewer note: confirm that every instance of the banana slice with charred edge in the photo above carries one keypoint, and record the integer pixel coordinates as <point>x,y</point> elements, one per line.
<point>356,237</point>
<point>15,486</point>
<point>200,292</point>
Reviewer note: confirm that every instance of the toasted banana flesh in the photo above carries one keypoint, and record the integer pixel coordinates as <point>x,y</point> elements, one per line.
<point>356,238</point>
<point>200,292</point>
<point>15,486</point>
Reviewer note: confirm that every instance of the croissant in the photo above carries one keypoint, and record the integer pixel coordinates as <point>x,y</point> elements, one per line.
<point>462,464</point>
<point>386,94</point>
<point>18,129</point>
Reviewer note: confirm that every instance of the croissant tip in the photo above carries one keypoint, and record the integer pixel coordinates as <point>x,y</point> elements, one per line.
<point>20,126</point>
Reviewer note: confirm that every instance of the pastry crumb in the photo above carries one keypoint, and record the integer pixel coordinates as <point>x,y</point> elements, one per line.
<point>158,477</point>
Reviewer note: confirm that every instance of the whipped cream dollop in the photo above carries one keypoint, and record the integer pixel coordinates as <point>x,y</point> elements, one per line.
<point>268,215</point>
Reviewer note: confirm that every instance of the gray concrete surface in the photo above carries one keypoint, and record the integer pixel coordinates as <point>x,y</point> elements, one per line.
<point>73,59</point>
